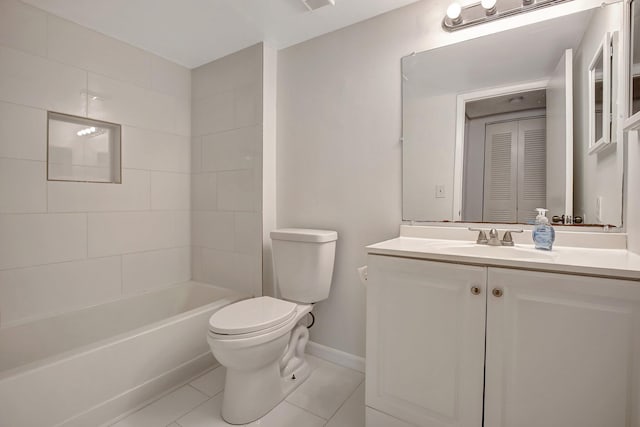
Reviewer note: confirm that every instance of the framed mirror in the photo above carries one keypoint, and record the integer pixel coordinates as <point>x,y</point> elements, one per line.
<point>634,58</point>
<point>600,97</point>
<point>496,126</point>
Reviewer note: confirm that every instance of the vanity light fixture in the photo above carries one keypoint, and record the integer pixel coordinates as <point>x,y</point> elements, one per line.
<point>454,13</point>
<point>459,17</point>
<point>489,6</point>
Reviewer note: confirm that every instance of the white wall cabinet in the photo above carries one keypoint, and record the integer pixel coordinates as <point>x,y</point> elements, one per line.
<point>561,350</point>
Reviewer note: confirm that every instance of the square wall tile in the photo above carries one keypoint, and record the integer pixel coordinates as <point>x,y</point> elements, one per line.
<point>238,191</point>
<point>23,132</point>
<point>23,186</point>
<point>213,230</point>
<point>81,47</point>
<point>204,191</point>
<point>232,150</point>
<point>41,83</point>
<point>34,239</point>
<point>170,191</point>
<point>23,27</point>
<point>131,195</point>
<point>155,269</point>
<point>128,232</point>
<point>54,288</point>
<point>159,151</point>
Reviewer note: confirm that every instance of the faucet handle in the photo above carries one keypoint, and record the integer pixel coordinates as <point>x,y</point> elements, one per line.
<point>482,237</point>
<point>507,239</point>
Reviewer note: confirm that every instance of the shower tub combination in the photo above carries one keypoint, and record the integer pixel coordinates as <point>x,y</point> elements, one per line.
<point>86,367</point>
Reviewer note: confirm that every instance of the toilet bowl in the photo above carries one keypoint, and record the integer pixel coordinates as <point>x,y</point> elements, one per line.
<point>261,341</point>
<point>249,338</point>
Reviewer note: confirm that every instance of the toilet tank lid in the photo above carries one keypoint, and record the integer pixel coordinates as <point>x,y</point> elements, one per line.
<point>304,235</point>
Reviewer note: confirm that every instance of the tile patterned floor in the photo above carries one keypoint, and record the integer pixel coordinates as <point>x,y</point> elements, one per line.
<point>332,396</point>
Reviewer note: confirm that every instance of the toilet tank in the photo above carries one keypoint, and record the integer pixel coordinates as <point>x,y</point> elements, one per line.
<point>303,261</point>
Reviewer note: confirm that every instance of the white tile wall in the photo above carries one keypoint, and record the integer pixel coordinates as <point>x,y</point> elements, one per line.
<point>154,269</point>
<point>131,195</point>
<point>23,186</point>
<point>75,45</point>
<point>35,239</point>
<point>226,165</point>
<point>127,232</point>
<point>66,245</point>
<point>204,191</point>
<point>37,82</point>
<point>213,229</point>
<point>237,191</point>
<point>230,150</point>
<point>170,78</point>
<point>23,27</point>
<point>23,132</point>
<point>147,149</point>
<point>170,191</point>
<point>125,103</point>
<point>52,288</point>
<point>232,270</point>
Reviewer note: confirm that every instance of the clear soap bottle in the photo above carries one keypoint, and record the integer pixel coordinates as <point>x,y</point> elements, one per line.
<point>543,233</point>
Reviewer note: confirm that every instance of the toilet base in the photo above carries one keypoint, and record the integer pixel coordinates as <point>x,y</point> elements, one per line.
<point>249,395</point>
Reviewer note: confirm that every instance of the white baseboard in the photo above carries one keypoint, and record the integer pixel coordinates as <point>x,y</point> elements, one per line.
<point>338,357</point>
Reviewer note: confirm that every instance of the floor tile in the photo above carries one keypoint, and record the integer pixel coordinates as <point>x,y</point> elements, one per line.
<point>165,410</point>
<point>326,389</point>
<point>379,419</point>
<point>212,382</point>
<point>205,415</point>
<point>351,414</point>
<point>288,415</point>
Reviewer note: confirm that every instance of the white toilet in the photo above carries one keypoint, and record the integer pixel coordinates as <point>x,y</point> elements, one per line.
<point>260,340</point>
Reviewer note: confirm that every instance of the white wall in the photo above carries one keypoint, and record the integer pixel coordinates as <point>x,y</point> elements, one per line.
<point>596,175</point>
<point>227,171</point>
<point>66,245</point>
<point>339,156</point>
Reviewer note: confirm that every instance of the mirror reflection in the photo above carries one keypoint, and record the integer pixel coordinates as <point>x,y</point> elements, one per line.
<point>635,57</point>
<point>497,126</point>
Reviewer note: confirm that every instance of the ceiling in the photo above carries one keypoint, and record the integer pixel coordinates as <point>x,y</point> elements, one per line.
<point>511,103</point>
<point>195,32</point>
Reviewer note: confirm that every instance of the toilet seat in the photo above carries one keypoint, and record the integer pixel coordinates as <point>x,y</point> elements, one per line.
<point>252,315</point>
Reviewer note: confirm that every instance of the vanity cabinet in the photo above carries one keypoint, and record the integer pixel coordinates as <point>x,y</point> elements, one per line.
<point>470,346</point>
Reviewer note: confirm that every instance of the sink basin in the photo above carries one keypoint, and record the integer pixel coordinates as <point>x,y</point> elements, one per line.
<point>486,251</point>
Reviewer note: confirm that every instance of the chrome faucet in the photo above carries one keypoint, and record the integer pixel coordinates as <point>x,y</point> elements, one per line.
<point>494,237</point>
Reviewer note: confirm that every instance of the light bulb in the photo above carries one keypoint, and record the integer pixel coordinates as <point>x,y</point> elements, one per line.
<point>92,129</point>
<point>489,6</point>
<point>454,12</point>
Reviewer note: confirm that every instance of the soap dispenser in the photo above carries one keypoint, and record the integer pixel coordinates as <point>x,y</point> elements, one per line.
<point>543,233</point>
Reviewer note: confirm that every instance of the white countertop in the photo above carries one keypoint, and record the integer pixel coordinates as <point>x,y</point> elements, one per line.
<point>618,263</point>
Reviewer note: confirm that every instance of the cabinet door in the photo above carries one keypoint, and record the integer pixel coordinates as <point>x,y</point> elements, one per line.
<point>425,341</point>
<point>562,351</point>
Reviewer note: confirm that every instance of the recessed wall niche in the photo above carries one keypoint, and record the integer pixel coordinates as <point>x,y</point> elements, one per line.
<point>82,149</point>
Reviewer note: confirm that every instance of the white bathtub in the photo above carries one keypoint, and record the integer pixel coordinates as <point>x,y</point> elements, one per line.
<point>84,368</point>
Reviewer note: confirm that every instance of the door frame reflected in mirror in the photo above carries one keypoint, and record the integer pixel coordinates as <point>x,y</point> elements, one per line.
<point>604,52</point>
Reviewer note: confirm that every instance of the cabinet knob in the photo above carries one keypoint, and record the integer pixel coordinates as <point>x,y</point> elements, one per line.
<point>497,292</point>
<point>475,290</point>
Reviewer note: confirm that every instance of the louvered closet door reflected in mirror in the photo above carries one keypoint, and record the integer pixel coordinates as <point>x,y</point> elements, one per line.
<point>515,170</point>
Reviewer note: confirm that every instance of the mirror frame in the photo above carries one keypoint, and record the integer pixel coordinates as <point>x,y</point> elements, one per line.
<point>604,50</point>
